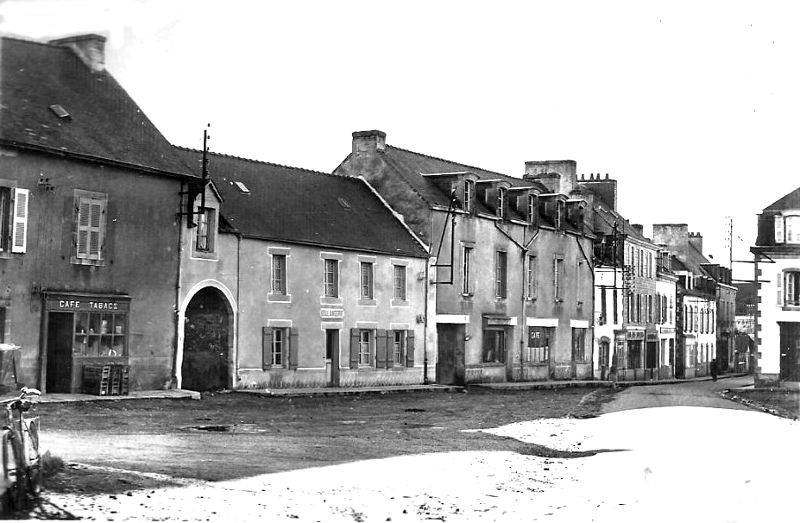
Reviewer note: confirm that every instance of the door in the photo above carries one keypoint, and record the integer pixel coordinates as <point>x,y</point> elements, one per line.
<point>603,363</point>
<point>790,351</point>
<point>332,355</point>
<point>207,342</point>
<point>450,368</point>
<point>59,352</point>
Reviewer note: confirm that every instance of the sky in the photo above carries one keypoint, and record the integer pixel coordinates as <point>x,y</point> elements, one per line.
<point>691,106</point>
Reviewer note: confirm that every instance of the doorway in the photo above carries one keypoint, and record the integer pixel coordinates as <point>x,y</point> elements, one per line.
<point>450,369</point>
<point>59,352</point>
<point>208,342</point>
<point>332,354</point>
<point>790,351</point>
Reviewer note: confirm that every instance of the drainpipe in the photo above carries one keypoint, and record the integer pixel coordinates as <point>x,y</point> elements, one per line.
<point>178,284</point>
<point>523,305</point>
<point>591,272</point>
<point>238,307</point>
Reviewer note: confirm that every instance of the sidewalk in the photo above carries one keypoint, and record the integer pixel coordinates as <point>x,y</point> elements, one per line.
<point>336,391</point>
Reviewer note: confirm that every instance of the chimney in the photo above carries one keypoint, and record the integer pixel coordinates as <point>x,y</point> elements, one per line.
<point>559,176</point>
<point>604,188</point>
<point>674,236</point>
<point>696,241</point>
<point>638,227</point>
<point>367,143</point>
<point>90,48</point>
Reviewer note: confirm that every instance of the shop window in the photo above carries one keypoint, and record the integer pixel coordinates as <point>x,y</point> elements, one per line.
<point>90,227</point>
<point>538,347</point>
<point>100,334</point>
<point>13,219</point>
<point>635,355</point>
<point>494,346</point>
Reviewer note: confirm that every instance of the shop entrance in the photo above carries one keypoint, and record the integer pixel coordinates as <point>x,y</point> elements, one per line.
<point>208,338</point>
<point>450,365</point>
<point>59,352</point>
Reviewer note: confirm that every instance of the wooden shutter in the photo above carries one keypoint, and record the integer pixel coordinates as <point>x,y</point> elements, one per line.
<point>779,279</point>
<point>778,228</point>
<point>410,349</point>
<point>20,226</point>
<point>266,347</point>
<point>354,348</point>
<point>91,219</point>
<point>381,350</point>
<point>390,349</point>
<point>294,347</point>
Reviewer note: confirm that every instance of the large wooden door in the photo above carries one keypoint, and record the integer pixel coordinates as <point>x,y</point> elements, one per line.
<point>207,342</point>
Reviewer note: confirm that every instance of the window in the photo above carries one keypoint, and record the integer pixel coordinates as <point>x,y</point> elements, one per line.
<point>579,282</point>
<point>558,264</point>
<point>538,349</point>
<point>331,279</point>
<point>278,348</point>
<point>90,225</point>
<point>578,345</point>
<point>469,194</point>
<point>279,274</point>
<point>399,347</point>
<point>791,284</point>
<point>494,346</point>
<point>603,307</point>
<point>365,341</point>
<point>100,334</point>
<point>206,227</point>
<point>500,275</point>
<point>367,280</point>
<point>532,209</point>
<point>530,278</point>
<point>13,219</point>
<point>787,229</point>
<point>400,282</point>
<point>501,203</point>
<point>466,262</point>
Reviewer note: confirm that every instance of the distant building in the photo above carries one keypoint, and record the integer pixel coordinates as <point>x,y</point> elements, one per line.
<point>512,258</point>
<point>777,273</point>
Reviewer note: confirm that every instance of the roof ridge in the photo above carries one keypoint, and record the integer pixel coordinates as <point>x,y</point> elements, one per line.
<point>261,162</point>
<point>451,161</point>
<point>36,42</point>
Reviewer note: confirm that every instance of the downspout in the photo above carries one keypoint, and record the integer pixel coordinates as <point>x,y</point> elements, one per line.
<point>591,272</point>
<point>178,285</point>
<point>238,307</point>
<point>523,305</point>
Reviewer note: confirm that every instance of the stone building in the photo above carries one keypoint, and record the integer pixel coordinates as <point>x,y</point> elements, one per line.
<point>512,259</point>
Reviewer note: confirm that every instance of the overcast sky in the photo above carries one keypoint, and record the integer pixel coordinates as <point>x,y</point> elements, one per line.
<point>692,106</point>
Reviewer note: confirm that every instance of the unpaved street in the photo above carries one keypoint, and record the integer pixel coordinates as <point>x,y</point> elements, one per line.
<point>486,455</point>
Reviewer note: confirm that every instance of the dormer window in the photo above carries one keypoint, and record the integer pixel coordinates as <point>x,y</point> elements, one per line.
<point>787,228</point>
<point>469,194</point>
<point>501,203</point>
<point>559,214</point>
<point>531,208</point>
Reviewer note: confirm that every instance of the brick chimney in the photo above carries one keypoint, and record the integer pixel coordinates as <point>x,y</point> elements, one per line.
<point>559,176</point>
<point>367,143</point>
<point>90,48</point>
<point>696,241</point>
<point>604,188</point>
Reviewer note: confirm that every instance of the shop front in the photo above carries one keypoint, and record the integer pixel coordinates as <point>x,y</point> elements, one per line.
<point>81,333</point>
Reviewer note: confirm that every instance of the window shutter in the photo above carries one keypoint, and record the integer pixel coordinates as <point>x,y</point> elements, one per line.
<point>354,348</point>
<point>778,228</point>
<point>410,349</point>
<point>389,349</point>
<point>19,243</point>
<point>83,227</point>
<point>294,347</point>
<point>266,347</point>
<point>381,349</point>
<point>779,280</point>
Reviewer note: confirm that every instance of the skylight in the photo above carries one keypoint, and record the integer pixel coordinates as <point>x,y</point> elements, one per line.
<point>59,111</point>
<point>242,187</point>
<point>344,203</point>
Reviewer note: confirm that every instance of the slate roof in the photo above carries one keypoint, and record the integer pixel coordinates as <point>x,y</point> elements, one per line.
<point>295,205</point>
<point>604,223</point>
<point>790,201</point>
<point>104,123</point>
<point>410,166</point>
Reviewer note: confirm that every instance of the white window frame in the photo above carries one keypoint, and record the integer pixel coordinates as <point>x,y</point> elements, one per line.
<point>367,288</point>
<point>466,269</point>
<point>330,281</point>
<point>366,347</point>
<point>400,282</point>
<point>280,284</point>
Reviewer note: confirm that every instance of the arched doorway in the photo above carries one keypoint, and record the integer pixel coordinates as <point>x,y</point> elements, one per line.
<point>208,338</point>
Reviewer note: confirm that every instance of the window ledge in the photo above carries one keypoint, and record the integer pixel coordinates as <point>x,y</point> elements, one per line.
<point>82,261</point>
<point>367,302</point>
<point>400,303</point>
<point>280,298</point>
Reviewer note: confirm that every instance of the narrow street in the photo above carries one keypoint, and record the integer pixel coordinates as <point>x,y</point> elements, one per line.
<point>488,456</point>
